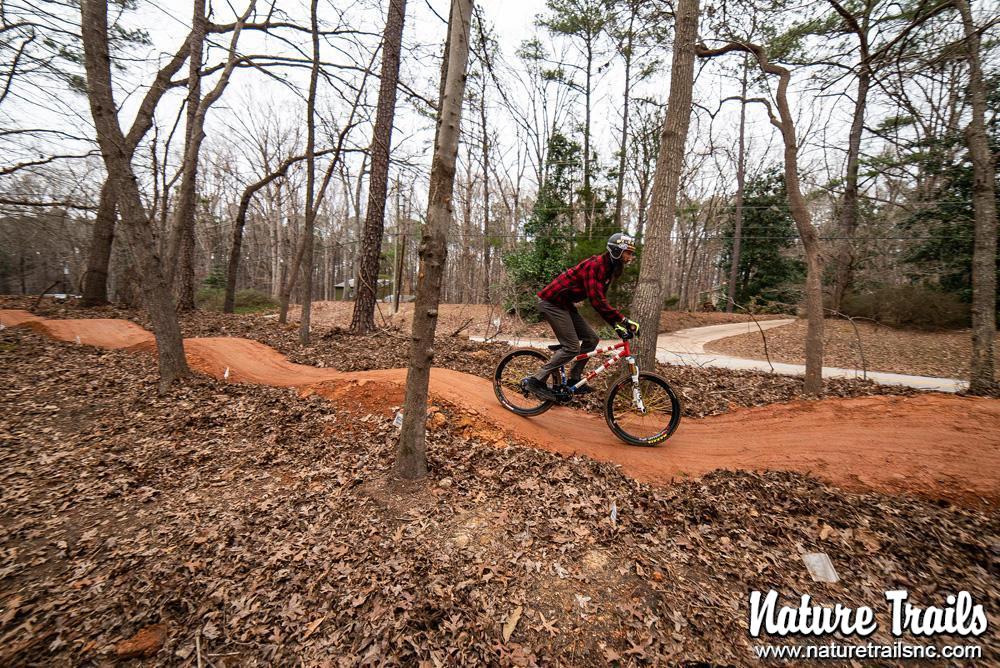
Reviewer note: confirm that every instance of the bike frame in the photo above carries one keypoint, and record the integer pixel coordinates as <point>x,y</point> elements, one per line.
<point>624,353</point>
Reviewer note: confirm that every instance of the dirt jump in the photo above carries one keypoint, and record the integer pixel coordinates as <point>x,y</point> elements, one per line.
<point>932,445</point>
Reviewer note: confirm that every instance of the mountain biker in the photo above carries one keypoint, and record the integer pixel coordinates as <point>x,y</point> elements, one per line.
<point>587,280</point>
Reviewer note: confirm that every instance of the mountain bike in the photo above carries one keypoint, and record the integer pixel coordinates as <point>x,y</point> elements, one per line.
<point>640,408</point>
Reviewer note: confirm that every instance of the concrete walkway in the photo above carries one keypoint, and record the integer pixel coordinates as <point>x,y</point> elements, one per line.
<point>687,347</point>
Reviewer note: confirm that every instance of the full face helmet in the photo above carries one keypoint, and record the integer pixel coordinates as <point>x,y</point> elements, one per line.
<point>618,243</point>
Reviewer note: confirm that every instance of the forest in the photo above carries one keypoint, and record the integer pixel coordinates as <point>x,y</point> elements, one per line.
<point>264,265</point>
<point>562,127</point>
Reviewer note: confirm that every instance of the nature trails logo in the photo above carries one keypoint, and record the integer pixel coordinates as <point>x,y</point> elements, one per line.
<point>959,616</point>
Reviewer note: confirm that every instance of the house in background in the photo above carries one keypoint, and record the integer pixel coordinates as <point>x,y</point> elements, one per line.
<point>383,290</point>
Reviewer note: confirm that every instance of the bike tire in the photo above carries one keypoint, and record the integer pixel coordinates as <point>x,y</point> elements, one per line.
<point>667,405</point>
<point>507,378</point>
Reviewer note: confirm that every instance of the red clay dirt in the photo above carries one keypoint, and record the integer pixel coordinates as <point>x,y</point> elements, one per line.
<point>932,445</point>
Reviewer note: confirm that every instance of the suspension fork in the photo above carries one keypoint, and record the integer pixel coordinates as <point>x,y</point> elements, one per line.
<point>634,369</point>
<point>636,395</point>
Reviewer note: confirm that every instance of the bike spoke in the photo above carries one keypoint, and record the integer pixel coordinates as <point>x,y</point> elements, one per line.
<point>647,424</point>
<point>514,371</point>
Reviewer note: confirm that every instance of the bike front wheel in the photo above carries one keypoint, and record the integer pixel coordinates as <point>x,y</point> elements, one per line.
<point>511,370</point>
<point>658,419</point>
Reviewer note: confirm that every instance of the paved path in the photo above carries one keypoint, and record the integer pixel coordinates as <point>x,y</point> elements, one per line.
<point>687,347</point>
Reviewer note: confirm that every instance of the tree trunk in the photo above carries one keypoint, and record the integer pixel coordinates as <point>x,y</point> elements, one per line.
<point>182,243</point>
<point>95,284</point>
<point>363,320</point>
<point>740,186</point>
<point>982,380</point>
<point>135,222</point>
<point>487,239</point>
<point>22,273</point>
<point>849,204</point>
<point>358,226</point>
<point>648,300</point>
<point>399,274</point>
<point>95,281</point>
<point>620,189</point>
<point>180,267</point>
<point>309,237</point>
<point>411,456</point>
<point>400,249</point>
<point>291,277</point>
<point>235,250</point>
<point>800,212</point>
<point>588,203</point>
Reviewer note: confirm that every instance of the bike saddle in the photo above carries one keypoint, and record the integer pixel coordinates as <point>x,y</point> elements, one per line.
<point>556,346</point>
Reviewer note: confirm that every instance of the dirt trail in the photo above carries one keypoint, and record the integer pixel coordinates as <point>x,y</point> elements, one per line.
<point>932,445</point>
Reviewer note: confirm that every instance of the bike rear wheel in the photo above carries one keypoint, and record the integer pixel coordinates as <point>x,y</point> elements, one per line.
<point>511,370</point>
<point>653,425</point>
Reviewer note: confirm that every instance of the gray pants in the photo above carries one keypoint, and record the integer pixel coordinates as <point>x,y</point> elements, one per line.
<point>573,332</point>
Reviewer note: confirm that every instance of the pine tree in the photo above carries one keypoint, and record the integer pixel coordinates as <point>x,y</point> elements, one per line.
<point>765,272</point>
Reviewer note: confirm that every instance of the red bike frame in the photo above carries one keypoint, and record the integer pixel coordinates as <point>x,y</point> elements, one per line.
<point>625,353</point>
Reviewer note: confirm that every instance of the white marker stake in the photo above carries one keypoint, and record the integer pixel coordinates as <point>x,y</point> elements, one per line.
<point>820,567</point>
<point>226,374</point>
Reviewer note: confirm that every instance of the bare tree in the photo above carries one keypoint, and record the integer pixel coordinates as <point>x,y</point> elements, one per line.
<point>180,258</point>
<point>117,160</point>
<point>240,222</point>
<point>584,22</point>
<point>646,128</point>
<point>95,280</point>
<point>984,274</point>
<point>363,320</point>
<point>797,204</point>
<point>95,289</point>
<point>741,158</point>
<point>861,22</point>
<point>648,300</point>
<point>411,456</point>
<point>636,28</point>
<point>309,233</point>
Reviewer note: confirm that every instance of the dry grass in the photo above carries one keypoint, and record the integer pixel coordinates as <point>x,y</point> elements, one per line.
<point>939,354</point>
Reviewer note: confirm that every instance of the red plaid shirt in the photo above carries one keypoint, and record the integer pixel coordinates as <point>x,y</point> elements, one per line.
<point>587,280</point>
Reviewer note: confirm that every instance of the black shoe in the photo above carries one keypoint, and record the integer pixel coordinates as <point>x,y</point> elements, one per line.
<point>539,389</point>
<point>584,389</point>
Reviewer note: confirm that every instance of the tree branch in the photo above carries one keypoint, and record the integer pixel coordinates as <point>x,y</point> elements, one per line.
<point>44,161</point>
<point>13,67</point>
<point>144,116</point>
<point>46,205</point>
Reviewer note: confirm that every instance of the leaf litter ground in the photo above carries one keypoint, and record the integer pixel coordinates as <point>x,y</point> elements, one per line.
<point>243,525</point>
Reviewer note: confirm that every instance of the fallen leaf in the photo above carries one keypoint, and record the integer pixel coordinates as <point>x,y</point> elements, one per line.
<point>312,627</point>
<point>512,619</point>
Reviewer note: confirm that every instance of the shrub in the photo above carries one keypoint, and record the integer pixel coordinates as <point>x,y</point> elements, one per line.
<point>251,298</point>
<point>909,306</point>
<point>212,299</point>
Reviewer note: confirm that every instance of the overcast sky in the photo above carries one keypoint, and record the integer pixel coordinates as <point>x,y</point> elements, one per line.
<point>168,23</point>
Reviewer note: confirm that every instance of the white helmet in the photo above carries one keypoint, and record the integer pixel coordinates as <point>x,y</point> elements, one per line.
<point>618,243</point>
